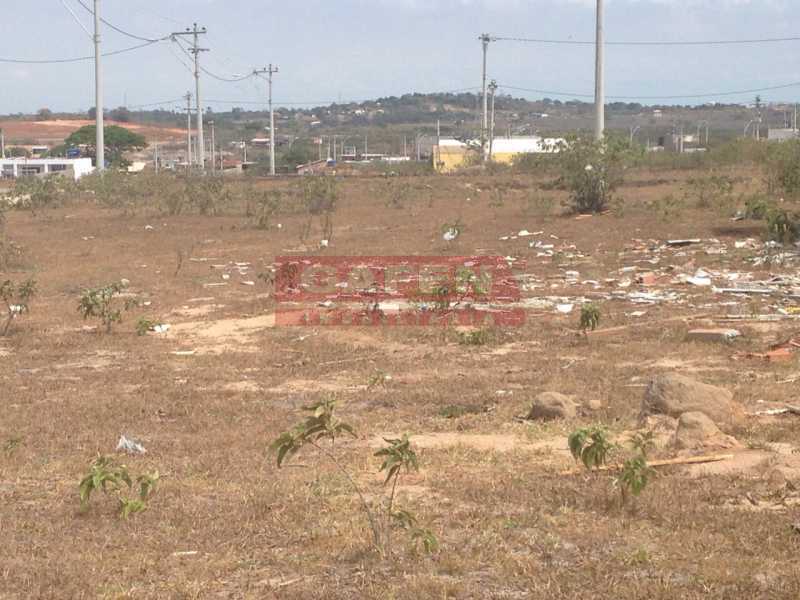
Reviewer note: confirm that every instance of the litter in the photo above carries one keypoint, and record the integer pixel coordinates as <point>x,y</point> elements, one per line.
<point>450,234</point>
<point>130,446</point>
<point>149,228</point>
<point>161,328</point>
<point>184,353</point>
<point>565,309</point>
<point>250,283</point>
<point>681,243</point>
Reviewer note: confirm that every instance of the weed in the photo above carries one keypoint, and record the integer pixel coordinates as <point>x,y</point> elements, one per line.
<point>590,318</point>
<point>756,207</point>
<point>398,456</point>
<point>591,446</point>
<point>101,303</point>
<point>710,189</point>
<point>397,194</point>
<point>16,297</point>
<point>378,379</point>
<point>477,337</point>
<point>320,195</point>
<point>107,476</point>
<point>267,204</point>
<point>145,325</point>
<point>783,226</point>
<point>634,477</point>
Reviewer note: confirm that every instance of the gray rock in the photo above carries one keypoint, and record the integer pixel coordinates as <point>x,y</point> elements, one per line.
<point>697,432</point>
<point>674,395</point>
<point>552,405</point>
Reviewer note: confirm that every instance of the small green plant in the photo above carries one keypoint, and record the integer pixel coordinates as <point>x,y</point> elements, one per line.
<point>477,337</point>
<point>17,298</point>
<point>267,204</point>
<point>319,196</point>
<point>783,226</point>
<point>590,446</point>
<point>111,478</point>
<point>320,430</point>
<point>144,325</point>
<point>756,207</point>
<point>590,318</point>
<point>102,303</point>
<point>634,476</point>
<point>378,379</point>
<point>452,231</point>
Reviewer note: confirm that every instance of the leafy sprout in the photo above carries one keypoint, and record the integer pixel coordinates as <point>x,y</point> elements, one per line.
<point>591,446</point>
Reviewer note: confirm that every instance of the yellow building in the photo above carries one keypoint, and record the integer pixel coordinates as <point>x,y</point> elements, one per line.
<point>451,154</point>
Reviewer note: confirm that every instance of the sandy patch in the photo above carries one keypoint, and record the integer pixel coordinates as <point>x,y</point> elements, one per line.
<point>225,335</point>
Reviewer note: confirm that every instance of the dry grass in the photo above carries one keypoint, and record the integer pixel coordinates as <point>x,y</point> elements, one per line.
<point>510,526</point>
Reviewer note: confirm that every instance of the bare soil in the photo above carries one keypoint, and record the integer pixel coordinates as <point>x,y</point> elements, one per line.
<point>207,398</point>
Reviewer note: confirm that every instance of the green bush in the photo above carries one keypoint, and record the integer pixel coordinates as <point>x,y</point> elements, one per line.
<point>592,170</point>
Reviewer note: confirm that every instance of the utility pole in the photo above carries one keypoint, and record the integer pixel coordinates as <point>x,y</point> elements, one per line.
<point>188,98</point>
<point>599,76</point>
<point>492,91</point>
<point>270,71</point>
<point>196,32</point>
<point>100,141</point>
<point>155,156</point>
<point>213,149</point>
<point>485,40</point>
<point>2,143</point>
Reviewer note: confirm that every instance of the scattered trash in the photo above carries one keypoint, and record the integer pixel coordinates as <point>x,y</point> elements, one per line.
<point>184,352</point>
<point>250,283</point>
<point>565,309</point>
<point>149,228</point>
<point>682,243</point>
<point>130,446</point>
<point>160,328</point>
<point>324,243</point>
<point>450,234</point>
<point>186,553</point>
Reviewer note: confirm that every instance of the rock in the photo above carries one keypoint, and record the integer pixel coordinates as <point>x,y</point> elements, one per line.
<point>697,432</point>
<point>673,395</point>
<point>713,335</point>
<point>592,405</point>
<point>552,405</point>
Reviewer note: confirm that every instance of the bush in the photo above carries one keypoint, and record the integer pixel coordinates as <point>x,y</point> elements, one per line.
<point>782,167</point>
<point>591,170</point>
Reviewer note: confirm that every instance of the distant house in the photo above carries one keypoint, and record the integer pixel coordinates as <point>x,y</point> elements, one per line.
<point>41,167</point>
<point>451,154</point>
<point>782,135</point>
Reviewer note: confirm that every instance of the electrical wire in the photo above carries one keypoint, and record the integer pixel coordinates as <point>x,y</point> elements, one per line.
<point>666,97</point>
<point>137,106</point>
<point>74,60</point>
<point>208,72</point>
<point>75,17</point>
<point>649,42</point>
<point>122,31</point>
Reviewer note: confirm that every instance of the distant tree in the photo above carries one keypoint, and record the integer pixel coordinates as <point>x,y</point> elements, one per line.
<point>17,152</point>
<point>121,115</point>
<point>92,113</point>
<point>44,114</point>
<point>118,141</point>
<point>298,154</point>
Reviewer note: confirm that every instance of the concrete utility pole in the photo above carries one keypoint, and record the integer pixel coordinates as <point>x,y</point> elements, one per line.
<point>196,32</point>
<point>599,76</point>
<point>485,39</point>
<point>270,71</point>
<point>100,141</point>
<point>155,156</point>
<point>213,148</point>
<point>188,98</point>
<point>2,143</point>
<point>492,91</point>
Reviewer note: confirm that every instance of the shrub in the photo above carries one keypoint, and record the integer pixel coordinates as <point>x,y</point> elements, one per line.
<point>590,317</point>
<point>16,297</point>
<point>110,478</point>
<point>782,167</point>
<point>320,430</point>
<point>591,170</point>
<point>102,303</point>
<point>783,226</point>
<point>591,446</point>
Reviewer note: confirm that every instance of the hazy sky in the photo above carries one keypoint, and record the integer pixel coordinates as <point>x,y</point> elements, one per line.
<point>358,49</point>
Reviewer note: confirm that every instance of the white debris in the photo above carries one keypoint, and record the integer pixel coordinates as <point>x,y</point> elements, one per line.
<point>565,309</point>
<point>450,234</point>
<point>161,328</point>
<point>130,446</point>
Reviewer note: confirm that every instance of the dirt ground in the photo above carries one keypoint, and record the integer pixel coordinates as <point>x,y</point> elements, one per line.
<point>56,131</point>
<point>208,397</point>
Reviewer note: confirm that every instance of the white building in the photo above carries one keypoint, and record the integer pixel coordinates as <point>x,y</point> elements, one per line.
<point>40,167</point>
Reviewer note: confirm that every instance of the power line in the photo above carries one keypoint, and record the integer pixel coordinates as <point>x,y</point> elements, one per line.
<point>649,42</point>
<point>136,106</point>
<point>666,97</point>
<point>74,60</point>
<point>122,31</point>
<point>77,20</point>
<point>209,73</point>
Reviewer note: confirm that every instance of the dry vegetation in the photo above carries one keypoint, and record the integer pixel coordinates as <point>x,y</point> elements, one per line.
<point>208,397</point>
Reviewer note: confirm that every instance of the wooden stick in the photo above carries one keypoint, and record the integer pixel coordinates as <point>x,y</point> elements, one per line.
<point>690,460</point>
<point>647,323</point>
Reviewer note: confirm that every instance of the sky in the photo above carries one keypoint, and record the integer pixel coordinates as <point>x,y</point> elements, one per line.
<point>343,50</point>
